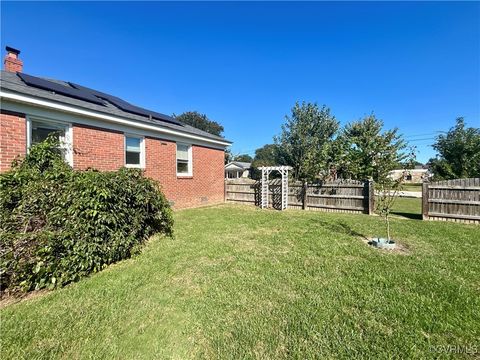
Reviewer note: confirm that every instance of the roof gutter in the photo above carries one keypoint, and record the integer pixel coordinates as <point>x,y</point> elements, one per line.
<point>105,117</point>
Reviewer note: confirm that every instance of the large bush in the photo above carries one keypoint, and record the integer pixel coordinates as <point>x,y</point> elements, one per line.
<point>58,224</point>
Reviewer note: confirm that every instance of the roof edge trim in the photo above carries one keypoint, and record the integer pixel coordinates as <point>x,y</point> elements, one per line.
<point>110,118</point>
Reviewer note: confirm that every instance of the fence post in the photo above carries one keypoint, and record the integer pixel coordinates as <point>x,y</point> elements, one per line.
<point>425,200</point>
<point>225,191</point>
<point>371,197</point>
<point>304,195</point>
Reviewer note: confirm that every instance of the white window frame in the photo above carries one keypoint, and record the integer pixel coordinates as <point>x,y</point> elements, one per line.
<point>142,151</point>
<point>190,160</point>
<point>67,141</point>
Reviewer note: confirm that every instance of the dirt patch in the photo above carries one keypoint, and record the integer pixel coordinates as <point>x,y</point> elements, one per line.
<point>9,299</point>
<point>400,248</point>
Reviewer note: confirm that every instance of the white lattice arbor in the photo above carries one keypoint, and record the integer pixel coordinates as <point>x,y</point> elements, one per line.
<point>266,170</point>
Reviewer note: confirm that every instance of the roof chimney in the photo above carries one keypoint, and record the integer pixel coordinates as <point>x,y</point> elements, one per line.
<point>12,63</point>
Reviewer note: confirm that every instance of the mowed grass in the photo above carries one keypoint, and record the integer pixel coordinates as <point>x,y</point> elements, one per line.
<point>410,208</point>
<point>412,187</point>
<point>242,283</point>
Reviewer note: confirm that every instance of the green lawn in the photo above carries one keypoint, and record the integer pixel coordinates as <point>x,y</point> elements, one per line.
<point>408,207</point>
<point>412,187</point>
<point>238,282</point>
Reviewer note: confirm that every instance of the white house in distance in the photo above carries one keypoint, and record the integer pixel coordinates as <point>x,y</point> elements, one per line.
<point>237,169</point>
<point>413,176</point>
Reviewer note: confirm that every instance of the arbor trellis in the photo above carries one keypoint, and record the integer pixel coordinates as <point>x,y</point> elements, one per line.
<point>266,170</point>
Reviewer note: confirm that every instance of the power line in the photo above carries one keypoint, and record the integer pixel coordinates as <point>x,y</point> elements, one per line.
<point>415,140</point>
<point>409,138</point>
<point>417,136</point>
<point>250,151</point>
<point>426,134</point>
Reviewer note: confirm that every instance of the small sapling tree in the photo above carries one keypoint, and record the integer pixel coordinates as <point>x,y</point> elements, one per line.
<point>365,151</point>
<point>389,188</point>
<point>388,193</point>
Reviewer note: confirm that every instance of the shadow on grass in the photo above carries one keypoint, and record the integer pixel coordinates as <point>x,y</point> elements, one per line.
<point>413,216</point>
<point>339,227</point>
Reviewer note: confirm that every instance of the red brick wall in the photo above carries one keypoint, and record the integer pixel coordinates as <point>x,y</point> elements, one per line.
<point>97,148</point>
<point>206,186</point>
<point>13,138</point>
<point>103,149</point>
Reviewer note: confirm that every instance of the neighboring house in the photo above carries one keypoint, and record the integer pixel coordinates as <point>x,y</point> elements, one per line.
<point>237,169</point>
<point>417,175</point>
<point>104,132</point>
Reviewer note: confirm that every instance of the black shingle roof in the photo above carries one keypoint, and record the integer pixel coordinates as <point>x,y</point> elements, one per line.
<point>11,82</point>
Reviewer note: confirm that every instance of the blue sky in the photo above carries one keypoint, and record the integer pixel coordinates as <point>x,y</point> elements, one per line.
<point>415,65</point>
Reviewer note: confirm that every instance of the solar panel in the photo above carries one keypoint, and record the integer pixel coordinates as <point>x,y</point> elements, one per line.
<point>59,89</point>
<point>127,107</point>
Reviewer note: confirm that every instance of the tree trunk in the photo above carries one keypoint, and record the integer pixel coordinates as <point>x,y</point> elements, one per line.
<point>388,227</point>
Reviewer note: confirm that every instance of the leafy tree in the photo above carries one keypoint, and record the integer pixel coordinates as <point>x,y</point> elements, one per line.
<point>337,159</point>
<point>367,152</point>
<point>200,121</point>
<point>306,139</point>
<point>243,158</point>
<point>267,155</point>
<point>458,153</point>
<point>228,155</point>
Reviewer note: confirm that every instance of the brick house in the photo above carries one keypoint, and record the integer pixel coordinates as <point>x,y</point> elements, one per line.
<point>104,132</point>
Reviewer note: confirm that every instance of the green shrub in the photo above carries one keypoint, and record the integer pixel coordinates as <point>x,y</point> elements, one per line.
<point>58,224</point>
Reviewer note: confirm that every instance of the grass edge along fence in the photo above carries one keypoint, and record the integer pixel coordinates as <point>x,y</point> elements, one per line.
<point>452,200</point>
<point>348,196</point>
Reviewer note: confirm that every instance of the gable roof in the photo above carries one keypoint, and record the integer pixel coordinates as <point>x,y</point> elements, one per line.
<point>11,82</point>
<point>239,164</point>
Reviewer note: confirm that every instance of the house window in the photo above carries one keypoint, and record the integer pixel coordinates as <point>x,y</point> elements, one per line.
<point>134,151</point>
<point>39,130</point>
<point>184,160</point>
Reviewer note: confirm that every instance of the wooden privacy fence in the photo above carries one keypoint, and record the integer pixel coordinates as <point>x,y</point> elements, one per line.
<point>338,196</point>
<point>452,200</point>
